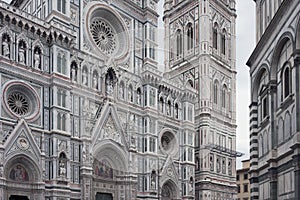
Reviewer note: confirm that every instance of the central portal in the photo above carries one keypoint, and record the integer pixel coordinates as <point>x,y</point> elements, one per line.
<point>104,196</point>
<point>17,197</point>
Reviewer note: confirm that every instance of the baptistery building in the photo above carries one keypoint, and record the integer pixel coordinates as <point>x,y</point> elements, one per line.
<point>86,113</point>
<point>274,109</point>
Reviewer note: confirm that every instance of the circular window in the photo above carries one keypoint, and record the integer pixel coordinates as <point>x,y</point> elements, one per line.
<point>18,103</point>
<point>168,143</point>
<point>20,100</point>
<point>103,35</point>
<point>107,31</point>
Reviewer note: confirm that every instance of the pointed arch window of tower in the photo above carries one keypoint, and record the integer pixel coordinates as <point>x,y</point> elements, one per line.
<point>286,81</point>
<point>179,43</point>
<point>190,36</point>
<point>223,42</point>
<point>224,96</point>
<point>61,6</point>
<point>215,36</point>
<point>216,88</point>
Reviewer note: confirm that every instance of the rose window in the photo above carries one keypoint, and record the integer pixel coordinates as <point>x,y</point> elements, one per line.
<point>168,143</point>
<point>18,103</point>
<point>21,100</point>
<point>103,35</point>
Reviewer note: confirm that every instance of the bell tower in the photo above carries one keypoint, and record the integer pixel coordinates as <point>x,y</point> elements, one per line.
<point>200,42</point>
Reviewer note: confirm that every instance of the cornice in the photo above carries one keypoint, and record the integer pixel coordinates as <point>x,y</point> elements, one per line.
<point>270,30</point>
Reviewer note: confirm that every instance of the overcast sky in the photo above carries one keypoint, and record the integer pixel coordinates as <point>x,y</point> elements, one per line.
<point>245,44</point>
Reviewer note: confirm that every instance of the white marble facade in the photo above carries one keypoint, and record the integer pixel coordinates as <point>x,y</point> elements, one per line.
<point>87,114</point>
<point>274,108</point>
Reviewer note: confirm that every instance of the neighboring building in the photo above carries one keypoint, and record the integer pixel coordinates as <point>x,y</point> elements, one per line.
<point>86,114</point>
<point>201,42</point>
<point>275,102</point>
<point>242,181</point>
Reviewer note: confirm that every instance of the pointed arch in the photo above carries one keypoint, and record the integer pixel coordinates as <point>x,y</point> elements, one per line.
<point>179,43</point>
<point>190,36</point>
<point>216,91</point>
<point>224,96</point>
<point>215,35</point>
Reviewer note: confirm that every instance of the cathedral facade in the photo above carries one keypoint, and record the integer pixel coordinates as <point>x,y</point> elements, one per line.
<point>274,108</point>
<point>86,113</point>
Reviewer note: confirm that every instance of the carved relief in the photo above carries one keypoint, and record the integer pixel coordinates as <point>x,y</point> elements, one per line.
<point>109,131</point>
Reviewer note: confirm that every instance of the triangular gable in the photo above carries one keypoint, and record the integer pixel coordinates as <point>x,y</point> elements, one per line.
<point>108,127</point>
<point>21,141</point>
<point>169,171</point>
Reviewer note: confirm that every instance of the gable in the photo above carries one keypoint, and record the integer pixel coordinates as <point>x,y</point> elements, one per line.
<point>108,127</point>
<point>21,141</point>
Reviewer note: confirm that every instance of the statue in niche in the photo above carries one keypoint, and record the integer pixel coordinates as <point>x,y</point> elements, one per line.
<point>130,95</point>
<point>62,168</point>
<point>5,48</point>
<point>37,59</point>
<point>109,86</point>
<point>168,110</point>
<point>121,91</point>
<point>95,81</point>
<point>133,141</point>
<point>139,97</point>
<point>176,112</point>
<point>109,81</point>
<point>84,77</point>
<point>73,74</point>
<point>191,188</point>
<point>153,179</point>
<point>22,54</point>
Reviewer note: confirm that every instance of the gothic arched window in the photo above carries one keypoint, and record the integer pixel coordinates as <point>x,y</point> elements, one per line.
<point>283,65</point>
<point>138,96</point>
<point>215,36</point>
<point>286,82</point>
<point>179,43</point>
<point>224,96</point>
<point>223,42</point>
<point>190,36</point>
<point>216,91</point>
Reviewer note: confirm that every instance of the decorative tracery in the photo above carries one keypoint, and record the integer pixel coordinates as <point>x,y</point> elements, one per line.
<point>103,35</point>
<point>18,103</point>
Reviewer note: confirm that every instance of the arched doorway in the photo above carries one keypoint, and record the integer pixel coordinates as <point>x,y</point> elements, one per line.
<point>109,168</point>
<point>169,191</point>
<point>23,179</point>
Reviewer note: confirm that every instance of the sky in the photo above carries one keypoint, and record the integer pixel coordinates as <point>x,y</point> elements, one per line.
<point>245,38</point>
<point>245,31</point>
